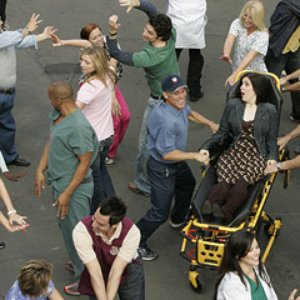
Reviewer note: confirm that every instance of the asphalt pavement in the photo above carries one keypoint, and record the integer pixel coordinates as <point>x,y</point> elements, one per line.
<point>166,278</point>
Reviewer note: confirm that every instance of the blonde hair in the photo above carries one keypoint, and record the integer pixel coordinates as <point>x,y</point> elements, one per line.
<point>34,277</point>
<point>257,11</point>
<point>100,60</point>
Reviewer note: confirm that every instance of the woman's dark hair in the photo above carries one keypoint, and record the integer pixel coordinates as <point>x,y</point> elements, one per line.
<point>87,29</point>
<point>162,25</point>
<point>261,85</point>
<point>238,246</point>
<point>113,207</point>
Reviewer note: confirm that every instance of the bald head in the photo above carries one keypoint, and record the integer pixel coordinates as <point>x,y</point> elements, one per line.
<point>60,90</point>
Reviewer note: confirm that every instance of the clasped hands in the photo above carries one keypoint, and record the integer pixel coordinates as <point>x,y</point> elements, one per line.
<point>202,156</point>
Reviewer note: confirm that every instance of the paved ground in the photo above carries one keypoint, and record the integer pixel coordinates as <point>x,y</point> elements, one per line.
<point>166,278</point>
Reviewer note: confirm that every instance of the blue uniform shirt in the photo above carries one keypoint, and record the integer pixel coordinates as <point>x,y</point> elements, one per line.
<point>167,130</point>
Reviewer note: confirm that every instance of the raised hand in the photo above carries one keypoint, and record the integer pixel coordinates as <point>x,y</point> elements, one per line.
<point>113,24</point>
<point>34,22</point>
<point>130,4</point>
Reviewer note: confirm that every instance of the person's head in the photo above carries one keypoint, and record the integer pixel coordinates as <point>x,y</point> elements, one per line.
<point>34,277</point>
<point>255,87</point>
<point>174,91</point>
<point>252,15</point>
<point>59,92</point>
<point>241,251</point>
<point>92,33</point>
<point>110,213</point>
<point>158,28</point>
<point>94,62</point>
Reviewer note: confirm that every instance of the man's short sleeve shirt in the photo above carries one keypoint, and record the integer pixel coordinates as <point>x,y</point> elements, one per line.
<point>167,130</point>
<point>70,138</point>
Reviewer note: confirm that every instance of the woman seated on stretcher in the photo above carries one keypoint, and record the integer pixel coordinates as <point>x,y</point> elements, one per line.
<point>251,123</point>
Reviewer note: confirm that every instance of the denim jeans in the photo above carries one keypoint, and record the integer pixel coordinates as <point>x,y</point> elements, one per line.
<point>194,72</point>
<point>289,62</point>
<point>134,286</point>
<point>167,180</point>
<point>7,127</point>
<point>141,176</point>
<point>103,186</point>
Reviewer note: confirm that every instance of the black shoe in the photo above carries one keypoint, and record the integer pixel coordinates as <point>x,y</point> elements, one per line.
<point>196,97</point>
<point>217,211</point>
<point>147,254</point>
<point>294,119</point>
<point>207,208</point>
<point>20,162</point>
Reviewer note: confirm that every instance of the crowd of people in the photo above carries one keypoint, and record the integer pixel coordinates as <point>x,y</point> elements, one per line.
<point>105,247</point>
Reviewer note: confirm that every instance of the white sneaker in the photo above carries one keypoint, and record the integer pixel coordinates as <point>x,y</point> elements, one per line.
<point>109,161</point>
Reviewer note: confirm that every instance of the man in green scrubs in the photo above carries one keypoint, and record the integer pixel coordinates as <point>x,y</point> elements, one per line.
<point>67,158</point>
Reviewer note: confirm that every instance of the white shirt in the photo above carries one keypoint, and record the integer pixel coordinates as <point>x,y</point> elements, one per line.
<point>3,166</point>
<point>189,19</point>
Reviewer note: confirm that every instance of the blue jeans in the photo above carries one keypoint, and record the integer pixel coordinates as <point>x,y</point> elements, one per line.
<point>141,176</point>
<point>289,62</point>
<point>134,286</point>
<point>103,186</point>
<point>7,127</point>
<point>167,180</point>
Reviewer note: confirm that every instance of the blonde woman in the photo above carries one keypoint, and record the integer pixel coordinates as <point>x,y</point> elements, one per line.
<point>249,38</point>
<point>94,99</point>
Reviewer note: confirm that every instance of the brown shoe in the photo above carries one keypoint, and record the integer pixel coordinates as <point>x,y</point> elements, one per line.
<point>136,190</point>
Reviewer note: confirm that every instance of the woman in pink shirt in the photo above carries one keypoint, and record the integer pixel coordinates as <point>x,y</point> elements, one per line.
<point>95,100</point>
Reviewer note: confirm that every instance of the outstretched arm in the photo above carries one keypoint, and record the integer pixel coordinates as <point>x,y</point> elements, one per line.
<point>282,141</point>
<point>148,8</point>
<point>57,42</point>
<point>229,42</point>
<point>198,118</point>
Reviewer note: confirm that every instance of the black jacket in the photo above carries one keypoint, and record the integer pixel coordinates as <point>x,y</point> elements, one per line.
<point>265,127</point>
<point>284,21</point>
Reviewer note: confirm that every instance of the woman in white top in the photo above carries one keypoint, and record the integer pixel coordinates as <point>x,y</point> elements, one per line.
<point>243,276</point>
<point>249,36</point>
<point>95,99</point>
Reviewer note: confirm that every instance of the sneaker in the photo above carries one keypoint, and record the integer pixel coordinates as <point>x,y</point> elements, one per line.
<point>109,161</point>
<point>147,254</point>
<point>72,289</point>
<point>294,119</point>
<point>176,225</point>
<point>136,190</point>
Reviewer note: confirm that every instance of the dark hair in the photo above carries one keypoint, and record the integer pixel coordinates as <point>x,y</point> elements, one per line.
<point>162,25</point>
<point>261,86</point>
<point>87,29</point>
<point>114,207</point>
<point>238,246</point>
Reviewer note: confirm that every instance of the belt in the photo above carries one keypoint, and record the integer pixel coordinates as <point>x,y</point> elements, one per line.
<point>155,97</point>
<point>7,91</point>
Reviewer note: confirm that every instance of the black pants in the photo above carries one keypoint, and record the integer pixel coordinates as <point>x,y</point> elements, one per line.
<point>194,71</point>
<point>2,10</point>
<point>289,62</point>
<point>229,197</point>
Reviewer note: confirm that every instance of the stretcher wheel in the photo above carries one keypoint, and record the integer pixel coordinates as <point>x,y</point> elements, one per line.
<point>195,282</point>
